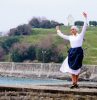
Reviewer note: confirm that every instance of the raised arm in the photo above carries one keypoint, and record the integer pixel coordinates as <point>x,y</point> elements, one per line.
<point>61,34</point>
<point>85,25</point>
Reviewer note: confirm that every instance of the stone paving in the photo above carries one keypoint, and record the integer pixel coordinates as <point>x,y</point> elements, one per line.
<point>87,87</point>
<point>87,91</point>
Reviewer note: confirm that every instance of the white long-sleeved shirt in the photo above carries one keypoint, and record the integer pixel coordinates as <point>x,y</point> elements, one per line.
<point>75,40</point>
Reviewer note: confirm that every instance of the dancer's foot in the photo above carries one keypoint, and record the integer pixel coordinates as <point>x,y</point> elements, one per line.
<point>74,86</point>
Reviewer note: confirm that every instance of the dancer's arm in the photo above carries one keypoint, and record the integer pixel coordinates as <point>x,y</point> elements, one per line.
<point>61,34</point>
<point>85,25</point>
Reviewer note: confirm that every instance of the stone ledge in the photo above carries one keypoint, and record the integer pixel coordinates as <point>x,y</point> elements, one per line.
<point>83,90</point>
<point>44,70</point>
<point>57,92</point>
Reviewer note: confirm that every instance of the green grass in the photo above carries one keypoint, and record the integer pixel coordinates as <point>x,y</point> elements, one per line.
<point>91,45</point>
<point>90,41</point>
<point>39,34</point>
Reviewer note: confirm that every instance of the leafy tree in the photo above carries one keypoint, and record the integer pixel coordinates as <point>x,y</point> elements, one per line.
<point>43,23</point>
<point>21,52</point>
<point>48,55</point>
<point>48,52</point>
<point>7,43</point>
<point>2,54</point>
<point>43,55</point>
<point>93,23</point>
<point>54,23</point>
<point>31,53</point>
<point>34,22</point>
<point>79,23</point>
<point>21,30</point>
<point>39,56</point>
<point>56,54</point>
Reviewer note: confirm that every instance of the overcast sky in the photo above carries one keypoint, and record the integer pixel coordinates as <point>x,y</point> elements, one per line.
<point>16,12</point>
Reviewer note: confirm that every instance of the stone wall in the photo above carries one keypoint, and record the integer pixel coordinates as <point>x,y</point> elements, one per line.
<point>46,70</point>
<point>34,70</point>
<point>40,94</point>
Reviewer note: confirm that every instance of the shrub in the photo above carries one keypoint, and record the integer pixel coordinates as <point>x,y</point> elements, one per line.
<point>79,23</point>
<point>43,23</point>
<point>43,55</point>
<point>21,52</point>
<point>49,55</point>
<point>48,52</point>
<point>34,22</point>
<point>31,53</point>
<point>21,30</point>
<point>7,43</point>
<point>2,54</point>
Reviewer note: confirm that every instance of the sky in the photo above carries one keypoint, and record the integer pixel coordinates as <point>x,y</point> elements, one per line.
<point>18,12</point>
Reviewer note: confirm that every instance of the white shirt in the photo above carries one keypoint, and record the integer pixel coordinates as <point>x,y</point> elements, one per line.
<point>75,40</point>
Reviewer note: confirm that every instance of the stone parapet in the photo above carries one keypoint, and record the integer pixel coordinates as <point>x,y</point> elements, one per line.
<point>44,70</point>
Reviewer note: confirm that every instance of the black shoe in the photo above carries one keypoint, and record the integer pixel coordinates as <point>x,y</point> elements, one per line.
<point>74,86</point>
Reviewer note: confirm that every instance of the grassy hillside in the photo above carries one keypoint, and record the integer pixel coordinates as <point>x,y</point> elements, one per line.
<point>90,43</point>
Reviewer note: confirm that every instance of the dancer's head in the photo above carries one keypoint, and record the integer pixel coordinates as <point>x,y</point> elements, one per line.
<point>74,30</point>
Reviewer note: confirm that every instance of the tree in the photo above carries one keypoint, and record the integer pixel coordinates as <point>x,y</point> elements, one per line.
<point>31,52</point>
<point>2,54</point>
<point>43,23</point>
<point>21,30</point>
<point>39,56</point>
<point>7,43</point>
<point>93,23</point>
<point>43,55</point>
<point>24,29</point>
<point>56,56</point>
<point>21,52</point>
<point>78,23</point>
<point>54,23</point>
<point>48,52</point>
<point>34,22</point>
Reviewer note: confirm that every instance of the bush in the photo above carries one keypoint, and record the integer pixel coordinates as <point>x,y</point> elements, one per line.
<point>7,43</point>
<point>21,52</point>
<point>43,55</point>
<point>34,22</point>
<point>79,23</point>
<point>2,54</point>
<point>93,23</point>
<point>54,24</point>
<point>48,52</point>
<point>21,30</point>
<point>31,53</point>
<point>39,56</point>
<point>43,23</point>
<point>56,56</point>
<point>48,55</point>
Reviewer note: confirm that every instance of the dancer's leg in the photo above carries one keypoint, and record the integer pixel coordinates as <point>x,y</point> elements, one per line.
<point>73,79</point>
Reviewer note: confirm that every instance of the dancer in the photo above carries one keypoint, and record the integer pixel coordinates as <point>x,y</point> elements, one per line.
<point>73,61</point>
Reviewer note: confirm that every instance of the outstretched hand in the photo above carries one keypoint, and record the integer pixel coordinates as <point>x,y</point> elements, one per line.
<point>85,14</point>
<point>57,27</point>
